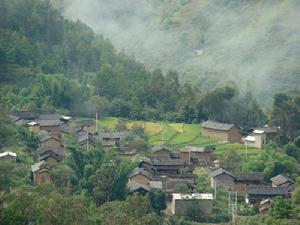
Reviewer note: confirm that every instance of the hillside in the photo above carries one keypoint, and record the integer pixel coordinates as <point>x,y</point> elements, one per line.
<point>254,43</point>
<point>176,135</point>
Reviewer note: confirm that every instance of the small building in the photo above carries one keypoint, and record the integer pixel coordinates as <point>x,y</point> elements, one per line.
<point>283,181</point>
<point>48,140</point>
<point>70,128</point>
<point>141,176</point>
<point>255,195</point>
<point>49,155</point>
<point>109,140</point>
<point>40,175</point>
<point>196,204</point>
<point>197,155</point>
<point>87,125</point>
<point>161,152</point>
<point>23,117</point>
<point>223,179</point>
<point>221,131</point>
<point>171,186</point>
<point>244,180</point>
<point>51,126</point>
<point>86,140</point>
<point>162,167</point>
<point>9,156</point>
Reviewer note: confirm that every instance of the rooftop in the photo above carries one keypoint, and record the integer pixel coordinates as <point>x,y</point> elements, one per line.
<point>36,166</point>
<point>249,176</point>
<point>179,196</point>
<point>161,147</point>
<point>220,171</point>
<point>280,179</point>
<point>49,123</point>
<point>216,125</point>
<point>267,191</point>
<point>197,149</point>
<point>138,170</point>
<point>8,153</point>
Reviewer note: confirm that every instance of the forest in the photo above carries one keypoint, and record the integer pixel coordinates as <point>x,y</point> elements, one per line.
<point>51,64</point>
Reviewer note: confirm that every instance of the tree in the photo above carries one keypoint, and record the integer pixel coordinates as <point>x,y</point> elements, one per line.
<point>103,182</point>
<point>230,160</point>
<point>280,208</point>
<point>158,200</point>
<point>296,200</point>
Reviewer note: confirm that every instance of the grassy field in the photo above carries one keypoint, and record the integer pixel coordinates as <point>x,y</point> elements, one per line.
<point>177,135</point>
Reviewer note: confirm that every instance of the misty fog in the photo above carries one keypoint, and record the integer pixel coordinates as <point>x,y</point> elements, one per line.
<point>255,43</point>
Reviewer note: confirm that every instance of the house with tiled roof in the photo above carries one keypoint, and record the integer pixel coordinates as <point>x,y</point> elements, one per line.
<point>255,195</point>
<point>283,181</point>
<point>221,131</point>
<point>197,155</point>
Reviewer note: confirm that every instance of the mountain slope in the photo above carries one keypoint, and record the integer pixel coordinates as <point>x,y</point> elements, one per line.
<point>255,43</point>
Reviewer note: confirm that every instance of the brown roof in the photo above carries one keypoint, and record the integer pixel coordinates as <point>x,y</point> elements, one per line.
<point>138,170</point>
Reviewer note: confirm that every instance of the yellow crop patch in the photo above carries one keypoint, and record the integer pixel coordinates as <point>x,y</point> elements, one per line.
<point>177,126</point>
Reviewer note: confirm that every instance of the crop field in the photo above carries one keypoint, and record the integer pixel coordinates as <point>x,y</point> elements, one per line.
<point>177,135</point>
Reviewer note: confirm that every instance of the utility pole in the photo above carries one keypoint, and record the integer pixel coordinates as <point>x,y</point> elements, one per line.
<point>96,122</point>
<point>232,205</point>
<point>246,149</point>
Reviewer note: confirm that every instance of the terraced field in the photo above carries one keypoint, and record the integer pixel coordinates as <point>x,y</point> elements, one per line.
<point>177,135</point>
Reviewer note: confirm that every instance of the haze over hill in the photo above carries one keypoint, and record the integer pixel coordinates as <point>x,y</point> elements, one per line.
<point>254,43</point>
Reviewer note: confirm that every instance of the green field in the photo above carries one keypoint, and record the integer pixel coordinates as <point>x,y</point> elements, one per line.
<point>177,135</point>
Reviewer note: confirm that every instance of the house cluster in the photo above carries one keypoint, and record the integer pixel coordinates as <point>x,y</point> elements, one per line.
<point>252,185</point>
<point>50,128</point>
<point>172,172</point>
<point>256,137</point>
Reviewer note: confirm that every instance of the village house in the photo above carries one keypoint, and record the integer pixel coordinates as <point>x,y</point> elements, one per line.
<point>245,180</point>
<point>70,128</point>
<point>50,123</point>
<point>141,176</point>
<point>259,137</point>
<point>238,182</point>
<point>9,156</point>
<point>23,117</point>
<point>221,131</point>
<point>46,139</point>
<point>141,189</point>
<point>196,204</point>
<point>283,181</point>
<point>199,156</point>
<point>40,175</point>
<point>86,140</point>
<point>49,155</point>
<point>88,125</point>
<point>255,195</point>
<point>163,167</point>
<point>161,152</point>
<point>223,179</point>
<point>110,140</point>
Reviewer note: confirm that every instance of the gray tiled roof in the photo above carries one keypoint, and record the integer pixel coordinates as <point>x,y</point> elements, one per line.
<point>267,191</point>
<point>133,186</point>
<point>268,129</point>
<point>249,176</point>
<point>138,170</point>
<point>50,116</point>
<point>216,125</point>
<point>219,172</point>
<point>197,149</point>
<point>49,123</point>
<point>280,179</point>
<point>44,135</point>
<point>27,115</point>
<point>161,147</point>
